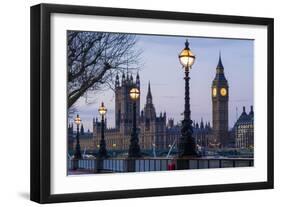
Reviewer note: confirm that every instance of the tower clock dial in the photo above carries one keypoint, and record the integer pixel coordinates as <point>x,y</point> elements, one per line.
<point>214,92</point>
<point>223,91</point>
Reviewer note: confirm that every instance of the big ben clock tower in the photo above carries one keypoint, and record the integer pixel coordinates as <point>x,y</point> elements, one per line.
<point>220,94</point>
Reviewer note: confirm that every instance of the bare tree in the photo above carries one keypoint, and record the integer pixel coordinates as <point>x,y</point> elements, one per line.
<point>94,58</point>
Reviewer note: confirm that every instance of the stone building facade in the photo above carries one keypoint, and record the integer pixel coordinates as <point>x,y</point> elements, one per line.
<point>85,138</point>
<point>220,96</point>
<point>151,127</point>
<point>202,133</point>
<point>244,130</point>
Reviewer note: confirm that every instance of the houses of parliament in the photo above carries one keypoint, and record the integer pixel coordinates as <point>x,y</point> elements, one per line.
<point>155,130</point>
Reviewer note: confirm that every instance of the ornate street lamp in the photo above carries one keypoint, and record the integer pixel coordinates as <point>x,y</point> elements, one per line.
<point>187,145</point>
<point>134,148</point>
<point>102,146</point>
<point>77,154</point>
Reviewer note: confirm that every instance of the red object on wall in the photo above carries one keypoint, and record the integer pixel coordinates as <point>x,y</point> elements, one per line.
<point>171,166</point>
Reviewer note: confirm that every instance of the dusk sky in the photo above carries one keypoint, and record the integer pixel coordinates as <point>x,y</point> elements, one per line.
<point>160,66</point>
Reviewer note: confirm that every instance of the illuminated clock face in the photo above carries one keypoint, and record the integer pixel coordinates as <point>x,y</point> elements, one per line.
<point>214,92</point>
<point>223,92</point>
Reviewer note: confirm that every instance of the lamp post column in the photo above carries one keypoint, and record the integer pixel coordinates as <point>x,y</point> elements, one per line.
<point>77,154</point>
<point>102,149</point>
<point>187,143</point>
<point>134,149</point>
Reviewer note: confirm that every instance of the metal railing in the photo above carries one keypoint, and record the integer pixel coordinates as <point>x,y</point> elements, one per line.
<point>157,164</point>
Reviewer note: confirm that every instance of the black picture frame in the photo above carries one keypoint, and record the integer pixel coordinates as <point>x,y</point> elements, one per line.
<point>41,107</point>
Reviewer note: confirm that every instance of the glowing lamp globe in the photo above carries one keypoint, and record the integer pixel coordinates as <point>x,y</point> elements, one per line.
<point>134,93</point>
<point>186,57</point>
<point>102,109</point>
<point>77,120</point>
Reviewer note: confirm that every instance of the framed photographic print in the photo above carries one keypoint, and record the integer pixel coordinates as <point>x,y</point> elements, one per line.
<point>132,103</point>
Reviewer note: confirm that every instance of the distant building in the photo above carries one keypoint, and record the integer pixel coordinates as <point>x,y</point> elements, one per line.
<point>244,130</point>
<point>85,138</point>
<point>152,127</point>
<point>173,134</point>
<point>202,133</point>
<point>220,95</point>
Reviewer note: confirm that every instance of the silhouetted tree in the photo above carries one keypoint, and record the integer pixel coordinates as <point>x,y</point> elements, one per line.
<point>94,58</point>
